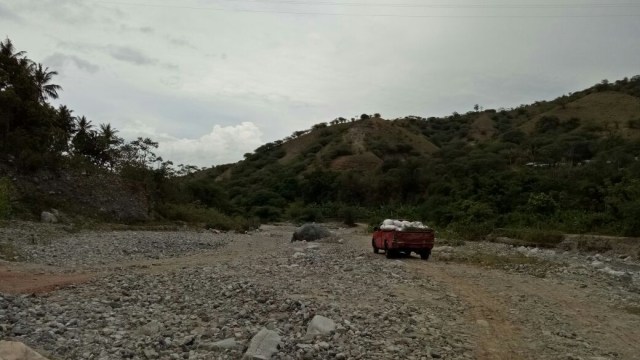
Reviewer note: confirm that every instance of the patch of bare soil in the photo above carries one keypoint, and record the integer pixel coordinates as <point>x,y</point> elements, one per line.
<point>25,280</point>
<point>523,317</point>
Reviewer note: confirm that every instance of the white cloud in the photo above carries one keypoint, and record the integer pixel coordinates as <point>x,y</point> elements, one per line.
<point>223,144</point>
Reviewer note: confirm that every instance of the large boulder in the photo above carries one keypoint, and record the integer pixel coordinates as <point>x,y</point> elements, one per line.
<point>13,350</point>
<point>310,232</point>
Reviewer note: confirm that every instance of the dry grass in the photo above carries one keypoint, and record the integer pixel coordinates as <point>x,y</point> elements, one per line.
<point>527,237</point>
<point>361,162</point>
<point>482,128</point>
<point>494,260</point>
<point>9,252</point>
<point>635,310</point>
<point>608,109</point>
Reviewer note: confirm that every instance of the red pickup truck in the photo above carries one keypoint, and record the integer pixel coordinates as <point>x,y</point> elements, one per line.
<point>396,243</point>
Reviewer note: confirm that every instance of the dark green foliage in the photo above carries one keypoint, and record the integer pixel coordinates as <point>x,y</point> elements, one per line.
<point>5,198</point>
<point>36,136</point>
<point>348,215</point>
<point>547,124</point>
<point>634,124</point>
<point>529,237</point>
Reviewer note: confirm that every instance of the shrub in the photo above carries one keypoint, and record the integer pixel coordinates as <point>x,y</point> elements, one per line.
<point>348,216</point>
<point>212,218</point>
<point>299,212</point>
<point>5,198</point>
<point>470,231</point>
<point>634,124</point>
<point>530,237</point>
<point>267,213</point>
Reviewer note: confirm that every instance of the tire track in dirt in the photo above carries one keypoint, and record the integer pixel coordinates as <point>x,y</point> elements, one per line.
<point>610,328</point>
<point>496,336</point>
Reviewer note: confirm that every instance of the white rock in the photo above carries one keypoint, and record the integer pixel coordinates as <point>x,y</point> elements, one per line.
<point>229,343</point>
<point>13,350</point>
<point>47,217</point>
<point>320,325</point>
<point>263,345</point>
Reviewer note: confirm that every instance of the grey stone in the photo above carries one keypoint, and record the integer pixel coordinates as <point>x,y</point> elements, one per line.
<point>263,345</point>
<point>13,350</point>
<point>152,328</point>
<point>320,325</point>
<point>229,343</point>
<point>47,217</point>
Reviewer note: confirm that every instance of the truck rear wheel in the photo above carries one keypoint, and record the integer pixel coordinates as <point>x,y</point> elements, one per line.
<point>390,254</point>
<point>375,249</point>
<point>425,254</point>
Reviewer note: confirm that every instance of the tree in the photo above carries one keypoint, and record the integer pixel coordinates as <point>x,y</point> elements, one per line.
<point>42,78</point>
<point>65,127</point>
<point>83,141</point>
<point>108,144</point>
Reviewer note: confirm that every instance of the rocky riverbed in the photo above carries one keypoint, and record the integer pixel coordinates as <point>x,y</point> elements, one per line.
<point>202,295</point>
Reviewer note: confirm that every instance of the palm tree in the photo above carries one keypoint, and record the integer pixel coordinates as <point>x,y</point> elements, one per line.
<point>64,127</point>
<point>42,78</point>
<point>84,140</point>
<point>66,120</point>
<point>83,125</point>
<point>108,145</point>
<point>9,51</point>
<point>11,62</point>
<point>108,133</point>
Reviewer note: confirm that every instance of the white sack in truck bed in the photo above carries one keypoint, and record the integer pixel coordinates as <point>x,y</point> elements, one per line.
<point>402,225</point>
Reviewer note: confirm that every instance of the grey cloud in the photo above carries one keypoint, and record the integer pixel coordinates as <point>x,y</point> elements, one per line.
<point>170,66</point>
<point>141,29</point>
<point>59,60</point>
<point>130,55</point>
<point>182,43</point>
<point>5,13</point>
<point>73,12</point>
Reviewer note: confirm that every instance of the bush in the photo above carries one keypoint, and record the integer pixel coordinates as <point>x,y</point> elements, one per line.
<point>267,213</point>
<point>212,218</point>
<point>348,215</point>
<point>470,232</point>
<point>299,212</point>
<point>5,198</point>
<point>530,237</point>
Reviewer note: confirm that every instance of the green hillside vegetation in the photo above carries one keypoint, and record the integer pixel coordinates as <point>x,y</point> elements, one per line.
<point>569,165</point>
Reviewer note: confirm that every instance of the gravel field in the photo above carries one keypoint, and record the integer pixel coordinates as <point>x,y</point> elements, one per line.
<point>202,295</point>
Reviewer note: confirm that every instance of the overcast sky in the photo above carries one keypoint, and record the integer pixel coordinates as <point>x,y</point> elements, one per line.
<point>214,79</point>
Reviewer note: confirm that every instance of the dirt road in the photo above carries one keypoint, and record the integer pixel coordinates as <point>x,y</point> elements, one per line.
<point>509,303</point>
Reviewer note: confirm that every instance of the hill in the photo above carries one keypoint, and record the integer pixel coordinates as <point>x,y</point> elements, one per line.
<point>569,163</point>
